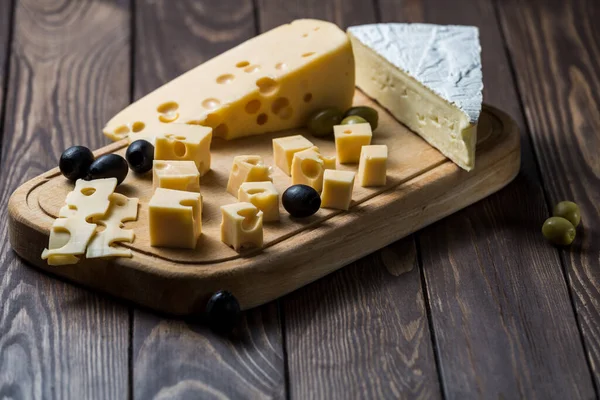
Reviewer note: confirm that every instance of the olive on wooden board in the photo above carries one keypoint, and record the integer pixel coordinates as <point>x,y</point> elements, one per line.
<point>569,211</point>
<point>367,113</point>
<point>140,155</point>
<point>301,201</point>
<point>558,231</point>
<point>108,166</point>
<point>322,122</point>
<point>222,312</point>
<point>354,119</point>
<point>75,162</point>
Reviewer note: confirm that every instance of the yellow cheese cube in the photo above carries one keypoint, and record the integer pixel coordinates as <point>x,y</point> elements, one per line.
<point>337,189</point>
<point>242,226</point>
<point>284,149</point>
<point>307,169</point>
<point>247,169</point>
<point>372,168</point>
<point>175,218</point>
<point>176,175</point>
<point>270,83</point>
<point>185,142</point>
<point>349,139</point>
<point>264,196</point>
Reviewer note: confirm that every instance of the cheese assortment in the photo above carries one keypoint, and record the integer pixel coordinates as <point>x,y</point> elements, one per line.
<point>372,167</point>
<point>264,196</point>
<point>175,218</point>
<point>90,204</point>
<point>299,74</point>
<point>242,226</point>
<point>429,77</point>
<point>269,83</point>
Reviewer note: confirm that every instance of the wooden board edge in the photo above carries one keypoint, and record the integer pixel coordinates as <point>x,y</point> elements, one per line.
<point>280,269</point>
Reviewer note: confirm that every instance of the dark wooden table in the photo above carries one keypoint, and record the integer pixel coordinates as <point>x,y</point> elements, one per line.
<point>476,306</point>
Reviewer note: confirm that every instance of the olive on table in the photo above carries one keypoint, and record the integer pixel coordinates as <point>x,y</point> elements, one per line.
<point>368,113</point>
<point>222,312</point>
<point>354,119</point>
<point>558,231</point>
<point>75,162</point>
<point>108,166</point>
<point>569,211</point>
<point>322,122</point>
<point>140,155</point>
<point>301,201</point>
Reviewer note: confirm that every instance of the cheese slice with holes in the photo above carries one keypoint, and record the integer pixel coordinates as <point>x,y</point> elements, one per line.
<point>429,77</point>
<point>103,243</point>
<point>269,83</point>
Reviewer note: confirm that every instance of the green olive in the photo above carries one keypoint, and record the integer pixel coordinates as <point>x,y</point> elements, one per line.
<point>558,231</point>
<point>354,119</point>
<point>322,122</point>
<point>569,211</point>
<point>367,113</point>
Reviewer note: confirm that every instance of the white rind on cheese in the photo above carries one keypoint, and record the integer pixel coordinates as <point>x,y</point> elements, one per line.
<point>428,77</point>
<point>445,59</point>
<point>269,83</point>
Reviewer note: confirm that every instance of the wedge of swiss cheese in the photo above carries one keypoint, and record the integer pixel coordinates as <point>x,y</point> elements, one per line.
<point>269,83</point>
<point>429,77</point>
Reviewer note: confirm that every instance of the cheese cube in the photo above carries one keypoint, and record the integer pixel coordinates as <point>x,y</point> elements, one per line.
<point>349,139</point>
<point>337,189</point>
<point>242,226</point>
<point>284,149</point>
<point>247,169</point>
<point>176,175</point>
<point>264,196</point>
<point>307,169</point>
<point>185,142</point>
<point>270,83</point>
<point>372,168</point>
<point>175,218</point>
<point>328,161</point>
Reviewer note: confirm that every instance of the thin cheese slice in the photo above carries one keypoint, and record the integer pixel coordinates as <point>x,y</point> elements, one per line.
<point>121,209</point>
<point>270,83</point>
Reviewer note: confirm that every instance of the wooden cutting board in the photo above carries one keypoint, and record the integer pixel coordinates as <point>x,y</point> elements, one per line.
<point>423,187</point>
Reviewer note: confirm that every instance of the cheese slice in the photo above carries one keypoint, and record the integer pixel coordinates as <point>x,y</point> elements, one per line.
<point>429,77</point>
<point>269,83</point>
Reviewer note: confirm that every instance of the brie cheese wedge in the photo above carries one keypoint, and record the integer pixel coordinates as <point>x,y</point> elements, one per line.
<point>429,78</point>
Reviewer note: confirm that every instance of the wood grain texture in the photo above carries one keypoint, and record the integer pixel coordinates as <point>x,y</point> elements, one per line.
<point>555,47</point>
<point>58,341</point>
<point>6,8</point>
<point>501,313</point>
<point>173,359</point>
<point>332,350</point>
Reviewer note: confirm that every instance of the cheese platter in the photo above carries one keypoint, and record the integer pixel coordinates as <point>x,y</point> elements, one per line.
<point>213,227</point>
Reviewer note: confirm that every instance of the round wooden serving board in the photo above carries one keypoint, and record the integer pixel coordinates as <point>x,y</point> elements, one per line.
<point>423,187</point>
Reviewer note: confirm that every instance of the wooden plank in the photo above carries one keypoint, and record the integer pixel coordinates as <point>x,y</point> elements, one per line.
<point>171,358</point>
<point>361,332</point>
<point>6,8</point>
<point>555,46</point>
<point>68,73</point>
<point>502,318</point>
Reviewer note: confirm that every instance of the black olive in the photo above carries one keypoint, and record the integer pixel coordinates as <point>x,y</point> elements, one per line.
<point>140,155</point>
<point>223,312</point>
<point>75,162</point>
<point>301,201</point>
<point>108,166</point>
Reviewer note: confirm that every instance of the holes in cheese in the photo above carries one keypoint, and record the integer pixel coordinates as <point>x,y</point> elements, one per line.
<point>241,225</point>
<point>138,126</point>
<point>211,103</point>
<point>328,66</point>
<point>88,191</point>
<point>250,221</point>
<point>311,168</point>
<point>279,104</point>
<point>168,111</point>
<point>225,79</point>
<point>267,86</point>
<point>262,119</point>
<point>264,196</point>
<point>252,106</point>
<point>179,149</point>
